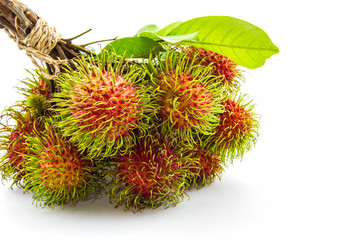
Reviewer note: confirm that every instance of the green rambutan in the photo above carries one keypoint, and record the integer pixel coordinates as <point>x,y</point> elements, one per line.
<point>153,174</point>
<point>188,100</point>
<point>13,140</point>
<point>102,107</point>
<point>237,131</point>
<point>39,103</point>
<point>56,172</point>
<point>222,66</point>
<point>38,93</point>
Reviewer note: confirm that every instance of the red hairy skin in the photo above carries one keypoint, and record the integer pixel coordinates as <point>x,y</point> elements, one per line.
<point>234,121</point>
<point>237,131</point>
<point>64,168</point>
<point>192,100</point>
<point>57,173</point>
<point>113,101</point>
<point>188,99</point>
<point>14,142</point>
<point>101,109</point>
<point>41,87</point>
<point>206,167</point>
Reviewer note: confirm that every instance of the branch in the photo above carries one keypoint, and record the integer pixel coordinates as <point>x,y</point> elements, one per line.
<point>19,20</point>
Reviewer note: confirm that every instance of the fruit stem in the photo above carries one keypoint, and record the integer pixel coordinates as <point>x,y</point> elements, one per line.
<point>77,36</point>
<point>105,40</point>
<point>77,47</point>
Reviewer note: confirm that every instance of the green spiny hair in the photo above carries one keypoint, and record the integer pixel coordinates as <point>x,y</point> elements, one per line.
<point>56,172</point>
<point>103,106</point>
<point>38,103</point>
<point>189,100</point>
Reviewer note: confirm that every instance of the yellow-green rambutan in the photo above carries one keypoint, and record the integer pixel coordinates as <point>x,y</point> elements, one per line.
<point>56,172</point>
<point>153,174</point>
<point>102,106</point>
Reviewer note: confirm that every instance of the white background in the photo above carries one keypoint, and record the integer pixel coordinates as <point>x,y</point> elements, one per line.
<point>302,181</point>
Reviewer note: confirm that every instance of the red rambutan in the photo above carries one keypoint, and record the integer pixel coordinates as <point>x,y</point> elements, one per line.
<point>13,141</point>
<point>206,166</point>
<point>221,66</point>
<point>56,172</point>
<point>237,131</point>
<point>152,175</point>
<point>99,107</point>
<point>193,100</point>
<point>187,99</point>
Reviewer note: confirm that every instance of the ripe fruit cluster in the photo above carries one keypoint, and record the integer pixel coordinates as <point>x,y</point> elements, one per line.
<point>142,131</point>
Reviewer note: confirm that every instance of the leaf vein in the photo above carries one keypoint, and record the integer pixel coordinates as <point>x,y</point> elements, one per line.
<point>231,46</point>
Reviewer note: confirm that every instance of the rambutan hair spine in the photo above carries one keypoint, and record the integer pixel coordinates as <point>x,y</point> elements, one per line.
<point>104,105</point>
<point>188,99</point>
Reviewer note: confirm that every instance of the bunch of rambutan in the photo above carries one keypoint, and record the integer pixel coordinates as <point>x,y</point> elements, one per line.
<point>141,131</point>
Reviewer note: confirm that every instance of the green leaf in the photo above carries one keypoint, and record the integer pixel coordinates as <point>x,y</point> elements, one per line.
<point>148,28</point>
<point>133,47</point>
<point>166,30</point>
<point>170,39</point>
<point>242,42</point>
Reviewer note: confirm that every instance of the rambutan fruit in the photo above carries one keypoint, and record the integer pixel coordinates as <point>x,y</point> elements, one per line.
<point>237,131</point>
<point>188,101</point>
<point>222,66</point>
<point>102,107</point>
<point>38,93</point>
<point>56,172</point>
<point>37,84</point>
<point>206,167</point>
<point>153,174</point>
<point>38,103</point>
<point>20,124</point>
